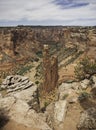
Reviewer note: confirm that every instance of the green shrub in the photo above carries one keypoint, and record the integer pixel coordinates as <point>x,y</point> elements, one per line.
<point>24,69</point>
<point>39,72</point>
<point>65,96</point>
<point>0,81</point>
<point>43,109</point>
<point>37,82</point>
<point>83,96</point>
<point>46,103</point>
<point>85,69</point>
<point>39,54</point>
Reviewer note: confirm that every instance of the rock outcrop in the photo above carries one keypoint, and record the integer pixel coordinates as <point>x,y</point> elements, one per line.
<point>50,70</point>
<point>21,88</point>
<point>60,110</point>
<point>19,111</point>
<point>66,89</point>
<point>88,120</point>
<point>21,103</point>
<point>94,81</point>
<point>55,114</point>
<point>84,84</point>
<point>16,83</point>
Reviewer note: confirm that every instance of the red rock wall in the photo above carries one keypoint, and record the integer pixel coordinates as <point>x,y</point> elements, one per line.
<point>50,67</point>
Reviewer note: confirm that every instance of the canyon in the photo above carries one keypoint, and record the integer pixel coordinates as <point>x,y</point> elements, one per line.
<point>38,82</point>
<point>24,43</point>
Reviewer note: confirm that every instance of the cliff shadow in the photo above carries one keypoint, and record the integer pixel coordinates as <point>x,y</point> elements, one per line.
<point>3,118</point>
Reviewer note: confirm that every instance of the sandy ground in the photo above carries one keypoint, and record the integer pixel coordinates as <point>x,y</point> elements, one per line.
<point>11,125</point>
<point>67,73</point>
<point>72,117</point>
<point>31,74</point>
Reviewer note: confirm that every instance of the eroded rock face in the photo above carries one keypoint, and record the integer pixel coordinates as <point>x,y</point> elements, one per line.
<point>14,42</point>
<point>88,120</point>
<point>94,80</point>
<point>16,83</point>
<point>50,70</point>
<point>22,102</point>
<point>6,103</point>
<point>67,89</point>
<point>60,109</point>
<point>22,88</point>
<point>84,84</point>
<point>19,111</point>
<point>55,114</point>
<point>22,113</point>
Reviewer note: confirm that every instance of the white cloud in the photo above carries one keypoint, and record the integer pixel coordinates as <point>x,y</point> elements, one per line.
<point>47,10</point>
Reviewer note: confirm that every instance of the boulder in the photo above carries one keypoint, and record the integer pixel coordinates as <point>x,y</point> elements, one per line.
<point>60,110</point>
<point>94,80</point>
<point>55,114</point>
<point>84,84</point>
<point>64,89</point>
<point>67,89</point>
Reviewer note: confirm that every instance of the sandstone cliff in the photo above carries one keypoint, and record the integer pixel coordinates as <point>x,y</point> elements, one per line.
<point>20,44</point>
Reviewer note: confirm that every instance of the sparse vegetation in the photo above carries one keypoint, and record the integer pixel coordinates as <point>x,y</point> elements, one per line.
<point>73,58</point>
<point>65,96</point>
<point>83,96</point>
<point>46,103</point>
<point>37,82</point>
<point>0,81</point>
<point>66,52</point>
<point>85,69</point>
<point>24,69</point>
<point>39,71</point>
<point>39,54</point>
<point>67,43</point>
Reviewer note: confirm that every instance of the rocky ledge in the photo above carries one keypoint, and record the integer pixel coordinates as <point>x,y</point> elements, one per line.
<point>21,104</point>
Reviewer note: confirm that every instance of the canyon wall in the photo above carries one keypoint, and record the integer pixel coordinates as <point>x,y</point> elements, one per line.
<point>21,39</point>
<point>22,43</point>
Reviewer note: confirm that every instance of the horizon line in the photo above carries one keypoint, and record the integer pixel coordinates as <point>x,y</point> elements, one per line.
<point>47,25</point>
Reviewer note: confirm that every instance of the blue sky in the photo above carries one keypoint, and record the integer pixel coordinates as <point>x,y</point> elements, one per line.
<point>48,12</point>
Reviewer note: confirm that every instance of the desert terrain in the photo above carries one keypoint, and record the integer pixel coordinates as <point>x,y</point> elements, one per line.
<point>26,69</point>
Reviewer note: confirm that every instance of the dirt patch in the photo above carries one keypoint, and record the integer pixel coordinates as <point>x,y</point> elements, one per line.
<point>12,125</point>
<point>66,73</point>
<point>72,116</point>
